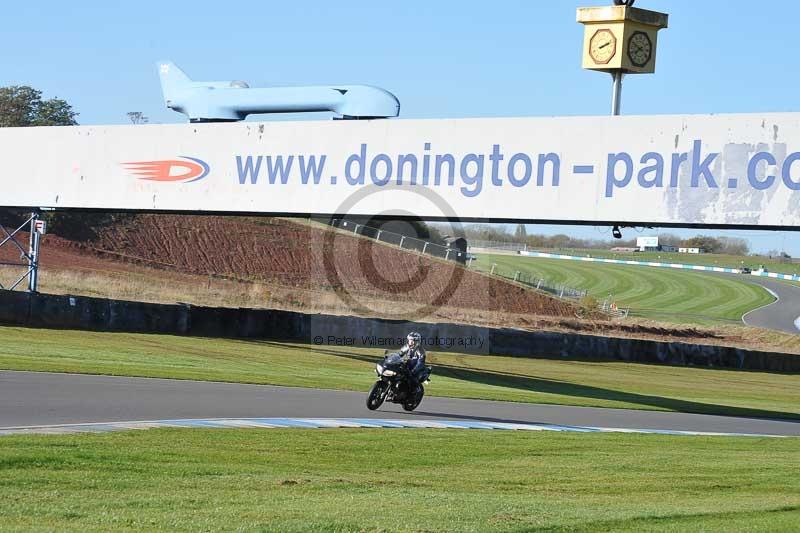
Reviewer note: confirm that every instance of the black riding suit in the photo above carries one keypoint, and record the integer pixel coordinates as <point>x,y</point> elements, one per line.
<point>416,361</point>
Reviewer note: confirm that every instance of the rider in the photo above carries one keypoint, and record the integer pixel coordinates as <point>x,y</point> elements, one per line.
<point>416,355</point>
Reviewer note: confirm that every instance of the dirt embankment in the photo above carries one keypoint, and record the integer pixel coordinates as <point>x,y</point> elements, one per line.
<point>301,256</point>
<point>277,263</point>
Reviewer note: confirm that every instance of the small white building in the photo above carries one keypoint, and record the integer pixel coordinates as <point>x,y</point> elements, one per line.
<point>650,244</point>
<point>647,244</point>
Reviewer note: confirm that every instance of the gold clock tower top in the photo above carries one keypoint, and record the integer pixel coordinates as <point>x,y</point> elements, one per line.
<point>620,38</point>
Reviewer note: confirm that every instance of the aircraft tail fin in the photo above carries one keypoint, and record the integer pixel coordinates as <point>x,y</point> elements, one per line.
<point>172,79</point>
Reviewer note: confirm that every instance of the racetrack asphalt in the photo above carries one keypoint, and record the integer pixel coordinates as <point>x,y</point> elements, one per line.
<point>780,315</point>
<point>41,398</point>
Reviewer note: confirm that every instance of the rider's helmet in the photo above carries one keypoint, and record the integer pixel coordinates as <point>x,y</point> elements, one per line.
<point>413,339</point>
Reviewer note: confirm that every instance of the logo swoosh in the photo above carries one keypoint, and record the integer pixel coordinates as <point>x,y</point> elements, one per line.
<point>185,170</point>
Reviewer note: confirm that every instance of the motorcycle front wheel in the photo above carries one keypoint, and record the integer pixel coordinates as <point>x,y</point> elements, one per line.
<point>376,395</point>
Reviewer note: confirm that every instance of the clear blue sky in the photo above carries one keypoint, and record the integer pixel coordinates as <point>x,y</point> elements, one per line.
<point>441,58</point>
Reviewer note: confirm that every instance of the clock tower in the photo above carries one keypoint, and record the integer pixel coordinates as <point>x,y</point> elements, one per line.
<point>620,38</point>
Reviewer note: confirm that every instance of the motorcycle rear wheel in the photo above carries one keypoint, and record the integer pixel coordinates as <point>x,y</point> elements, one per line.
<point>413,403</point>
<point>376,395</point>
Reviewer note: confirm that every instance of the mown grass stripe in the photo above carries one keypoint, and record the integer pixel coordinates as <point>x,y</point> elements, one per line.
<point>649,292</point>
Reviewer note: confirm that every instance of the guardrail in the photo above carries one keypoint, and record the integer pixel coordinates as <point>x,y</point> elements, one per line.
<point>607,306</point>
<point>403,241</point>
<point>562,291</point>
<point>498,245</point>
<point>523,278</point>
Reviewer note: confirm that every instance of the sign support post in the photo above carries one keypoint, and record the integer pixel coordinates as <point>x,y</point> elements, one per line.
<point>37,230</point>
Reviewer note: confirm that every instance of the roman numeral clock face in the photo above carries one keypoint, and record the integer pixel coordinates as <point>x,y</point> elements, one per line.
<point>640,48</point>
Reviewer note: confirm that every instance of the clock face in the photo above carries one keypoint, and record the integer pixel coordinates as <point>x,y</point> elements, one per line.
<point>640,48</point>
<point>602,47</point>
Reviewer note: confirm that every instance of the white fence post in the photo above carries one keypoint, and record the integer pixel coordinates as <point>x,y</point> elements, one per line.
<point>425,247</point>
<point>516,276</point>
<point>493,267</point>
<point>447,255</point>
<point>403,238</point>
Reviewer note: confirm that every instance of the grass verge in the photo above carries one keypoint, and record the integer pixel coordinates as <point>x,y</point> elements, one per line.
<point>583,383</point>
<point>654,293</point>
<point>397,480</point>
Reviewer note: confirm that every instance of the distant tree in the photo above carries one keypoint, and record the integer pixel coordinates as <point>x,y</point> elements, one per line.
<point>501,233</point>
<point>535,241</point>
<point>520,233</point>
<point>669,239</point>
<point>486,232</point>
<point>561,241</point>
<point>711,245</point>
<point>733,246</point>
<point>22,106</point>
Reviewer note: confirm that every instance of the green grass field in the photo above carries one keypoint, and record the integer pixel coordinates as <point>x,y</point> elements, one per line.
<point>583,383</point>
<point>397,480</point>
<point>654,293</point>
<point>720,260</point>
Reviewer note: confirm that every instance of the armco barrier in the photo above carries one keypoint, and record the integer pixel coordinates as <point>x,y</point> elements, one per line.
<point>96,314</point>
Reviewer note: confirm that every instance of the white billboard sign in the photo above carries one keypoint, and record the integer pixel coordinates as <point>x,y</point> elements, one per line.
<point>725,170</point>
<point>647,242</point>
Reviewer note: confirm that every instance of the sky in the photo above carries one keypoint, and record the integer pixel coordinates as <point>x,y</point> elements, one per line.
<point>443,59</point>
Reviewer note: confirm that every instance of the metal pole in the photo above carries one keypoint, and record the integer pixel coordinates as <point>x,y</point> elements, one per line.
<point>33,255</point>
<point>616,93</point>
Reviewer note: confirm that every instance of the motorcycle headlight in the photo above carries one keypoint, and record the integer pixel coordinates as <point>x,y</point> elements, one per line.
<point>379,369</point>
<point>389,373</point>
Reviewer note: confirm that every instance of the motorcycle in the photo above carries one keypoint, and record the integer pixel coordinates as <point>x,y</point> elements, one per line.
<point>394,383</point>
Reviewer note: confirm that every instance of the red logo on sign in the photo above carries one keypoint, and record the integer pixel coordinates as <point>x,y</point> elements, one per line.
<point>187,170</point>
